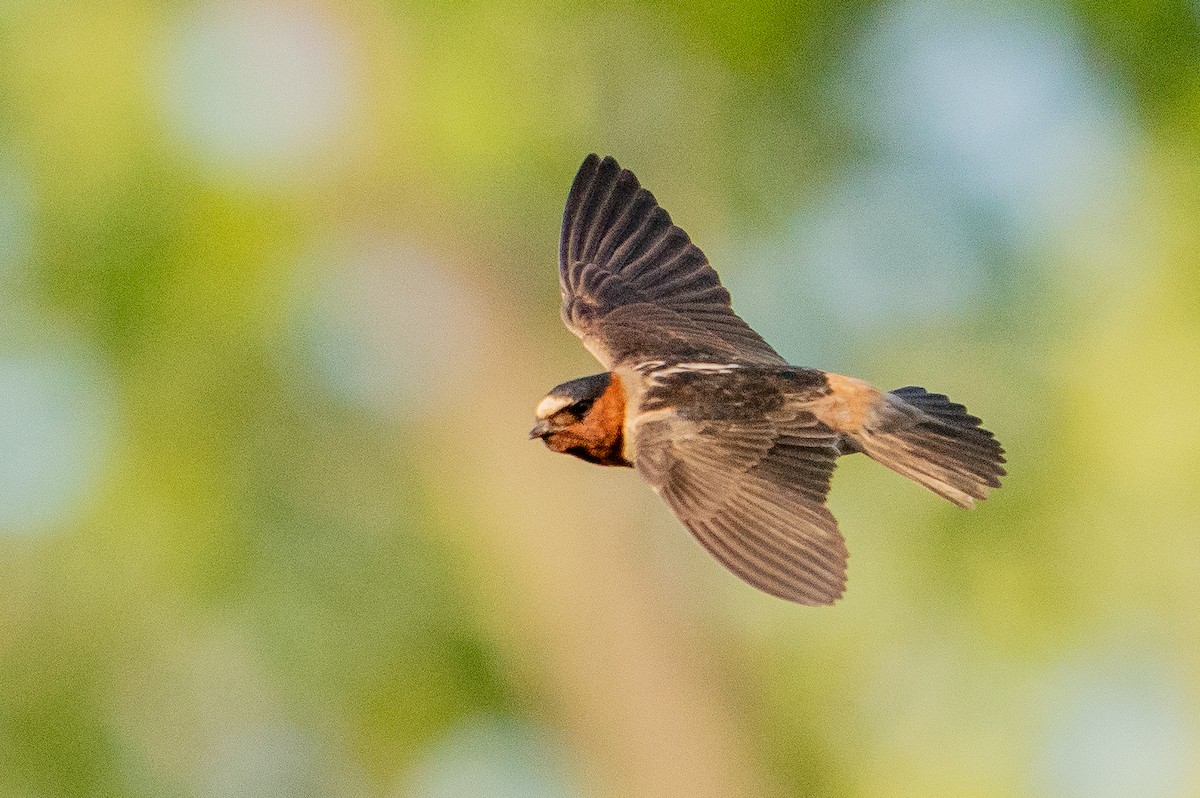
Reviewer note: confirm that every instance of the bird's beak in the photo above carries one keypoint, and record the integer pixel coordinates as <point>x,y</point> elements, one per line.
<point>540,430</point>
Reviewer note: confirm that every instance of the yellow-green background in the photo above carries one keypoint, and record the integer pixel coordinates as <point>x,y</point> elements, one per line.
<point>278,295</point>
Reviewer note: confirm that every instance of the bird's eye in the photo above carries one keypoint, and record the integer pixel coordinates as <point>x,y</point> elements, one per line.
<point>572,413</point>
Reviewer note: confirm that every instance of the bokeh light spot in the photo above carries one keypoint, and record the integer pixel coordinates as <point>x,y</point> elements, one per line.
<point>259,87</point>
<point>264,762</point>
<point>886,249</point>
<point>1001,104</point>
<point>390,328</point>
<point>55,422</point>
<point>490,757</point>
<point>1115,735</point>
<point>881,248</point>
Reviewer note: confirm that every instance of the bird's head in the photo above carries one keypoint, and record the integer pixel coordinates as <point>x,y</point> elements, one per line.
<point>584,418</point>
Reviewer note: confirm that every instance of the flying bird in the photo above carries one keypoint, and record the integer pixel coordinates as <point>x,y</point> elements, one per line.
<point>740,444</point>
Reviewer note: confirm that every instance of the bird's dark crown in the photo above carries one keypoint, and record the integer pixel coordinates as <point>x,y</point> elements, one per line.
<point>576,395</point>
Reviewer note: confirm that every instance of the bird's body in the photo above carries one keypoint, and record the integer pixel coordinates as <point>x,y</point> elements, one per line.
<point>739,443</point>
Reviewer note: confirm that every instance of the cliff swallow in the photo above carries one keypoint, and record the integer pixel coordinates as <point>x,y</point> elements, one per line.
<point>737,442</point>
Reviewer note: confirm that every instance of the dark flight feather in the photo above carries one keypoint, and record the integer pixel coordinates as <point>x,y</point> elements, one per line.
<point>752,492</point>
<point>635,286</point>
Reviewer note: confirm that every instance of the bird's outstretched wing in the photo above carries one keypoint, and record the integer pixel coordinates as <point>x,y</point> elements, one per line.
<point>634,286</point>
<point>753,494</point>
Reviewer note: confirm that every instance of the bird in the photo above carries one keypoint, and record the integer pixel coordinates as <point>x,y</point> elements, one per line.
<point>740,444</point>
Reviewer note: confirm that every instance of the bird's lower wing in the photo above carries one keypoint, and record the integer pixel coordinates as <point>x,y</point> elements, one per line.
<point>753,494</point>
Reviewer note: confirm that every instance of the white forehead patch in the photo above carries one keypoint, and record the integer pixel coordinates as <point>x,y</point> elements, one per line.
<point>551,405</point>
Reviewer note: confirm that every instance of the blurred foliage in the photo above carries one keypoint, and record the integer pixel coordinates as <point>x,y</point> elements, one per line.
<point>277,296</point>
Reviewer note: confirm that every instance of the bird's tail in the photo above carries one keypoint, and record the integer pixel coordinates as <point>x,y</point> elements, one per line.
<point>931,440</point>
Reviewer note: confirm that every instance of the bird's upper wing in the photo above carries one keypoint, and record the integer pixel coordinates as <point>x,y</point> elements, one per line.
<point>752,491</point>
<point>634,286</point>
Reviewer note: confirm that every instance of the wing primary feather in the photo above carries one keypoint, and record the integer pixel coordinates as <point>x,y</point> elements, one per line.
<point>599,214</point>
<point>784,578</point>
<point>621,254</point>
<point>625,229</point>
<point>581,188</point>
<point>675,274</point>
<point>817,553</point>
<point>654,228</point>
<point>721,549</point>
<point>648,261</point>
<point>799,583</point>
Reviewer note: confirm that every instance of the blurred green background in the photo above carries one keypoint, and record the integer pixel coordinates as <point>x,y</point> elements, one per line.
<point>278,296</point>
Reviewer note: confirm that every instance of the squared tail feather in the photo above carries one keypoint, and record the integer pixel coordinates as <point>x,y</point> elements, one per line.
<point>935,442</point>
